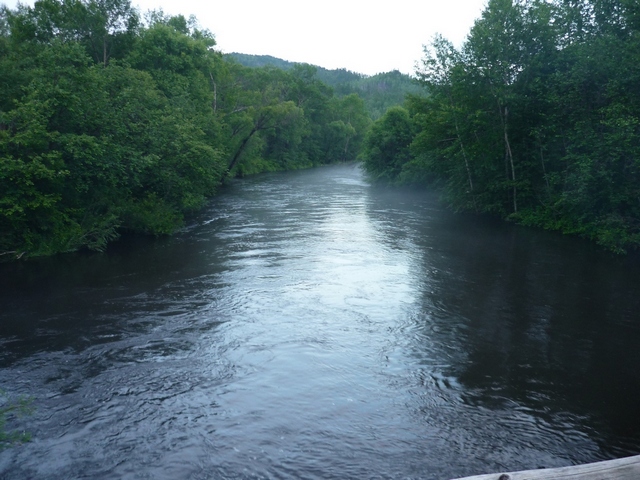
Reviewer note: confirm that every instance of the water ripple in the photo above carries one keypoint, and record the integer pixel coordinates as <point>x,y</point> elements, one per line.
<point>308,325</point>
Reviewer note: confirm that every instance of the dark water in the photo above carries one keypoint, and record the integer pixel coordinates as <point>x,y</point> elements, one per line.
<point>307,325</point>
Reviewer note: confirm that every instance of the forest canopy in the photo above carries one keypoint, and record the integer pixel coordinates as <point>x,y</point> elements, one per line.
<point>112,122</point>
<point>536,118</point>
<point>379,92</point>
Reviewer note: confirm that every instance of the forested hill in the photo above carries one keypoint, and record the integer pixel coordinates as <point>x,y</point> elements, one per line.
<point>332,78</point>
<point>111,123</point>
<point>536,119</point>
<point>379,92</point>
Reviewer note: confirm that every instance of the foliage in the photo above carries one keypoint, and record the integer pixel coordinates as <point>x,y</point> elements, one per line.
<point>379,92</point>
<point>11,408</point>
<point>289,119</point>
<point>109,123</point>
<point>536,118</point>
<point>387,145</point>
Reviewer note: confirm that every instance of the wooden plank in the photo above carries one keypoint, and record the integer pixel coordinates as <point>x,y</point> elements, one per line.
<point>620,469</point>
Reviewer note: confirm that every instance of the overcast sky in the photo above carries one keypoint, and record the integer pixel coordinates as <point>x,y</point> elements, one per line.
<point>362,36</point>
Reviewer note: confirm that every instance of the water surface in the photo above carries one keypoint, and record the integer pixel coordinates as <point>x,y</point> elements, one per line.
<point>309,325</point>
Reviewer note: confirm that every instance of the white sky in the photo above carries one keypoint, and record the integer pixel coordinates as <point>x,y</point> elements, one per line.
<point>352,34</point>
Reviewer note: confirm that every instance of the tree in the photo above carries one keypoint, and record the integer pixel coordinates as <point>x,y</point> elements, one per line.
<point>109,126</point>
<point>387,145</point>
<point>102,26</point>
<point>535,119</point>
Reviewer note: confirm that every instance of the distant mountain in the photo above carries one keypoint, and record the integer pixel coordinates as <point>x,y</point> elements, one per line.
<point>330,77</point>
<point>260,61</point>
<point>379,92</point>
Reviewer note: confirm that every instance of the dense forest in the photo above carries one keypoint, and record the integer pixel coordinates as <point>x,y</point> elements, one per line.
<point>379,92</point>
<point>114,122</point>
<point>111,122</point>
<point>536,118</point>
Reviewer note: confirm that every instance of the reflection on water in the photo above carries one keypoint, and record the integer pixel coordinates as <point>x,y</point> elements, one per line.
<point>308,325</point>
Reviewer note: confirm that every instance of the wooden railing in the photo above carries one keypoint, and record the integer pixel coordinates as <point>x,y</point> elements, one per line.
<point>621,469</point>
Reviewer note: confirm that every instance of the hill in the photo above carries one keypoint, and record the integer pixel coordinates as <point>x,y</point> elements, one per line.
<point>379,92</point>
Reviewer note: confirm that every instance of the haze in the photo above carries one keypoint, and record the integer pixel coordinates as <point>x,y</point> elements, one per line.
<point>356,35</point>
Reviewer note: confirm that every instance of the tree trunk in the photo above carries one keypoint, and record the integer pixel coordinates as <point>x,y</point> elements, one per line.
<point>464,152</point>
<point>215,94</point>
<point>509,155</point>
<point>346,149</point>
<point>236,157</point>
<point>544,171</point>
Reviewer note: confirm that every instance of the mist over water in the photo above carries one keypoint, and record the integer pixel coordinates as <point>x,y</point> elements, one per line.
<point>310,325</point>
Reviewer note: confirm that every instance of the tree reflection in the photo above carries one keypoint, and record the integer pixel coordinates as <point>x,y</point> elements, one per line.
<point>525,320</point>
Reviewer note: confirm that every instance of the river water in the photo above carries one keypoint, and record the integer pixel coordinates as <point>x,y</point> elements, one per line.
<point>307,325</point>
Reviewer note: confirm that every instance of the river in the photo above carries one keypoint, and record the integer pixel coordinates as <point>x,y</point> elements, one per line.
<point>308,325</point>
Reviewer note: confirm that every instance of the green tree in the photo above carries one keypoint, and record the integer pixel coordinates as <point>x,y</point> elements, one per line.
<point>107,125</point>
<point>387,145</point>
<point>535,119</point>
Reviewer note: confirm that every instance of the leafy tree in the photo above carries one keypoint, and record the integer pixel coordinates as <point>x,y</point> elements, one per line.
<point>108,125</point>
<point>347,132</point>
<point>387,145</point>
<point>535,119</point>
<point>379,92</point>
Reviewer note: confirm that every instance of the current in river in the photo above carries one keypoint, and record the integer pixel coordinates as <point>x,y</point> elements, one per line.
<point>309,325</point>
